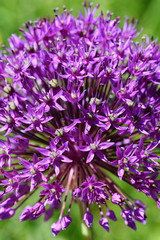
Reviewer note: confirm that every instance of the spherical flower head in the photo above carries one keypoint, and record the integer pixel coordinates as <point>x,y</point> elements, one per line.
<point>79,98</point>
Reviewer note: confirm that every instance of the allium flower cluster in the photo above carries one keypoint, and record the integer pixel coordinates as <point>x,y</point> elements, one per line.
<point>79,99</point>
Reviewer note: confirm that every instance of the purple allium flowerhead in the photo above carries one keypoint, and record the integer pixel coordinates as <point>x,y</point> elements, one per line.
<point>79,98</point>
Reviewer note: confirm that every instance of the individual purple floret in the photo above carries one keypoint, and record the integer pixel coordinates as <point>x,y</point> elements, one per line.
<point>88,219</point>
<point>79,103</point>
<point>104,223</point>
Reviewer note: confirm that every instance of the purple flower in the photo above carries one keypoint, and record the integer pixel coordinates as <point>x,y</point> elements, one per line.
<point>110,214</point>
<point>6,213</point>
<point>32,172</point>
<point>91,191</point>
<point>32,212</point>
<point>104,223</point>
<point>79,99</point>
<point>52,194</point>
<point>95,147</point>
<point>128,217</point>
<point>35,118</point>
<point>62,224</point>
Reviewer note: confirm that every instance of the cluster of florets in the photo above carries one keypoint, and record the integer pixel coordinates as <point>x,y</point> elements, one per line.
<point>79,97</point>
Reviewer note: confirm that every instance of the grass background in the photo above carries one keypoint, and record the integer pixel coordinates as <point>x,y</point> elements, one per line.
<point>14,13</point>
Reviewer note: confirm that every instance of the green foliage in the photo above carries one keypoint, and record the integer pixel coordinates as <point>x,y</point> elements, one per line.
<point>14,13</point>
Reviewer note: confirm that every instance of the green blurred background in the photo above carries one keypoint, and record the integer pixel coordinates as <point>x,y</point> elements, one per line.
<point>13,14</point>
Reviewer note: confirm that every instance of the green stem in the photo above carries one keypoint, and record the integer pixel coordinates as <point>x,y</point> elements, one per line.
<point>87,233</point>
